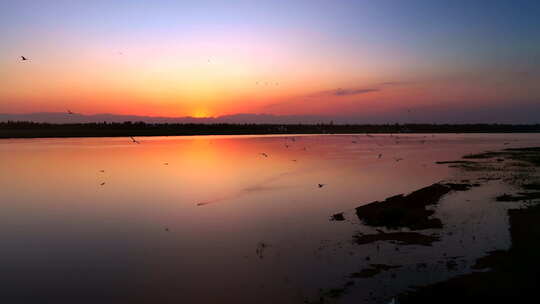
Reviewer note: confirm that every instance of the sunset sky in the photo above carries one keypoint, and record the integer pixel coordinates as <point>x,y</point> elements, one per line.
<point>211,58</point>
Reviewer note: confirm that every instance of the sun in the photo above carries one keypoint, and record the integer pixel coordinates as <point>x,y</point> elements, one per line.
<point>200,113</point>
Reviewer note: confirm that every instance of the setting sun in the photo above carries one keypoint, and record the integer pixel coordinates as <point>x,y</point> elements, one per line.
<point>201,113</point>
<point>269,151</point>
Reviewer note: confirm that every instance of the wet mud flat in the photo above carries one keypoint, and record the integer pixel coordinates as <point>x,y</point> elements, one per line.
<point>410,220</point>
<point>514,273</point>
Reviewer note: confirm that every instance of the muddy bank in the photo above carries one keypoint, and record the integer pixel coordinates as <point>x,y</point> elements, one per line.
<point>512,274</point>
<point>532,186</point>
<point>408,211</point>
<point>530,155</point>
<point>400,238</point>
<point>521,196</point>
<point>373,270</point>
<point>338,217</point>
<point>332,294</point>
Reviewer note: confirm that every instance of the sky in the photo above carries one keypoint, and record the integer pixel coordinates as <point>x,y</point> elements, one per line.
<point>213,58</point>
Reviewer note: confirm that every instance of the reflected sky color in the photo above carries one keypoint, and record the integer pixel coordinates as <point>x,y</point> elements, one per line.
<point>64,234</point>
<point>211,58</point>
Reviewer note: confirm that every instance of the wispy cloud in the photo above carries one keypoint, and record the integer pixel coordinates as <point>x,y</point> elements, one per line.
<point>349,92</point>
<point>339,92</point>
<point>360,90</point>
<point>393,83</point>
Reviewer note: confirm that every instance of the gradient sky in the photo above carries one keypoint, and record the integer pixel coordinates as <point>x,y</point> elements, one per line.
<point>211,58</point>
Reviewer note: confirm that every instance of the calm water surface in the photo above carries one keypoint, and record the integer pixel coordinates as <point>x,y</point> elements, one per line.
<point>212,220</point>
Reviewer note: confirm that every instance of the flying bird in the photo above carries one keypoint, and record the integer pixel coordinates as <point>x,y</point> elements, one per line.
<point>134,140</point>
<point>24,58</point>
<point>166,164</point>
<point>102,184</point>
<point>380,155</point>
<point>261,246</point>
<point>321,185</point>
<point>264,154</point>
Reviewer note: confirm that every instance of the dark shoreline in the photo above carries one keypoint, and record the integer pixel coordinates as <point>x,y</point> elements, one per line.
<point>12,129</point>
<point>511,274</point>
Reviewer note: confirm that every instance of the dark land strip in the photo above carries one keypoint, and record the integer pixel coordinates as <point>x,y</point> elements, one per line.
<point>16,129</point>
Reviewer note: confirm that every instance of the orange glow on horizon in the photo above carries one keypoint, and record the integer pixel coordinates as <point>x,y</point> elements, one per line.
<point>201,113</point>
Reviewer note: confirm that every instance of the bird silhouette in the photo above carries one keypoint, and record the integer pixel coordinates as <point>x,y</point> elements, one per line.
<point>134,140</point>
<point>380,155</point>
<point>321,185</point>
<point>102,184</point>
<point>24,58</point>
<point>261,246</point>
<point>166,164</point>
<point>264,154</point>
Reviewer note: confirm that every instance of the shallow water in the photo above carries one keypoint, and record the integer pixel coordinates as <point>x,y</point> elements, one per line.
<point>210,219</point>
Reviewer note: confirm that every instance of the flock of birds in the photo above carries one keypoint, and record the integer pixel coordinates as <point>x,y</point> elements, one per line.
<point>380,155</point>
<point>266,83</point>
<point>263,154</point>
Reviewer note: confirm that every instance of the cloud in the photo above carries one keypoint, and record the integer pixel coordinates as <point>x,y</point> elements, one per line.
<point>393,83</point>
<point>357,91</point>
<point>349,92</point>
<point>340,92</point>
